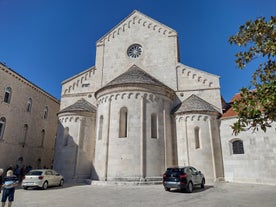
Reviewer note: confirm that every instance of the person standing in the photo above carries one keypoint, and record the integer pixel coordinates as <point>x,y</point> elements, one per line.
<point>9,184</point>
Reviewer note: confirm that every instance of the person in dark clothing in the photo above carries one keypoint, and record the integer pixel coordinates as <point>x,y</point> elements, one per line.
<point>9,184</point>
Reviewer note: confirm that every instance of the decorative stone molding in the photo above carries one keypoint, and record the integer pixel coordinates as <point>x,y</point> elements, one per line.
<point>15,75</point>
<point>69,119</point>
<point>129,95</point>
<point>79,80</point>
<point>193,74</point>
<point>192,117</point>
<point>140,19</point>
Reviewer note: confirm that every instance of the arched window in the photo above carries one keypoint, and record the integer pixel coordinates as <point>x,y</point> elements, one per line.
<point>123,122</point>
<point>42,137</point>
<point>45,114</point>
<point>8,93</point>
<point>25,134</point>
<point>66,136</point>
<point>197,142</point>
<point>237,147</point>
<point>29,105</point>
<point>100,133</point>
<point>2,127</point>
<point>153,125</point>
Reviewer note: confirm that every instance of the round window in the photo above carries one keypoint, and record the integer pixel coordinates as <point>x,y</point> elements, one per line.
<point>134,51</point>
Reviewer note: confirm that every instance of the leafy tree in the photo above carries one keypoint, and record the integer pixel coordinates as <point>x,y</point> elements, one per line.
<point>256,107</point>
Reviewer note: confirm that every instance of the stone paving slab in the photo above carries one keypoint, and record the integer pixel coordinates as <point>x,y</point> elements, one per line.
<point>222,194</point>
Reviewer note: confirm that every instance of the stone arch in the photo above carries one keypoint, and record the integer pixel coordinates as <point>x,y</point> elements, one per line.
<point>129,23</point>
<point>116,96</point>
<point>119,30</point>
<point>124,26</point>
<point>129,95</point>
<point>137,94</point>
<point>144,23</point>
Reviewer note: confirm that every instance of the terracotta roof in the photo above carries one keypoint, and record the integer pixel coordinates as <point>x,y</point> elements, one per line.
<point>81,106</point>
<point>230,112</point>
<point>195,104</point>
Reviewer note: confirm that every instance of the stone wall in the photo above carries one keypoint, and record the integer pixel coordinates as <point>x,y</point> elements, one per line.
<point>257,163</point>
<point>28,134</point>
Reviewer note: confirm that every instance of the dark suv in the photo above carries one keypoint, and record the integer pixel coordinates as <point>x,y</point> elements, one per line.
<point>183,178</point>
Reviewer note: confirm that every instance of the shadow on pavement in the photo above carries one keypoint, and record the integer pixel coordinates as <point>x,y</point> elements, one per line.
<point>195,189</point>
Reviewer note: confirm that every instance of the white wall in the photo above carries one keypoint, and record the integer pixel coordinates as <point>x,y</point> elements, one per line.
<point>257,164</point>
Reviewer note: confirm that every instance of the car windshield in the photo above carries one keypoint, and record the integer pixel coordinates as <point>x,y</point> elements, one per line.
<point>34,173</point>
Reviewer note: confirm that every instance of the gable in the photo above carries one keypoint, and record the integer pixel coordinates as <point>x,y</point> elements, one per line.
<point>158,44</point>
<point>136,17</point>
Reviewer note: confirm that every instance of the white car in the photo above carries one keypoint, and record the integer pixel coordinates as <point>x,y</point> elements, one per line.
<point>42,178</point>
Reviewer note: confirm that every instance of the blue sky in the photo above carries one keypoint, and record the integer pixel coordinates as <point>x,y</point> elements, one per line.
<point>48,41</point>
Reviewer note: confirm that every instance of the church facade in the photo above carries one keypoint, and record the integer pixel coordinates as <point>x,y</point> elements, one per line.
<point>139,110</point>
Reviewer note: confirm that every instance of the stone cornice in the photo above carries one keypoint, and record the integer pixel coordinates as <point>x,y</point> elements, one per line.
<point>20,78</point>
<point>137,18</point>
<point>153,97</point>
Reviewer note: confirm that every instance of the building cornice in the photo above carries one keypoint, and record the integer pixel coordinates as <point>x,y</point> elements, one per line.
<point>20,78</point>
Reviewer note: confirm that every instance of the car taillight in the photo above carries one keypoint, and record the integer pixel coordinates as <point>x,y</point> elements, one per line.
<point>183,176</point>
<point>164,176</point>
<point>40,177</point>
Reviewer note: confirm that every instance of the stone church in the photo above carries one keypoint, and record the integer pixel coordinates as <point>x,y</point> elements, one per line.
<point>139,110</point>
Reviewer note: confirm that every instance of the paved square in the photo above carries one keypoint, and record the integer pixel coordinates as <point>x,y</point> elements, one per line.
<point>223,194</point>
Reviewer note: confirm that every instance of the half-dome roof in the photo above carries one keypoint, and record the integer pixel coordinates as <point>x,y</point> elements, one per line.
<point>134,75</point>
<point>195,104</point>
<point>80,106</point>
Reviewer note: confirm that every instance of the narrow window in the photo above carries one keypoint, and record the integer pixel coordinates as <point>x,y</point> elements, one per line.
<point>123,122</point>
<point>2,127</point>
<point>42,137</point>
<point>100,134</point>
<point>8,93</point>
<point>197,143</point>
<point>66,136</point>
<point>45,114</point>
<point>153,126</point>
<point>25,134</point>
<point>237,147</point>
<point>29,105</point>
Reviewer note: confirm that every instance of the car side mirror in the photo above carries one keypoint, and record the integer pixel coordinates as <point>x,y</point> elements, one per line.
<point>199,172</point>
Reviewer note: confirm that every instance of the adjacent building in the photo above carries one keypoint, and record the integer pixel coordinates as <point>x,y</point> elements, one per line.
<point>28,122</point>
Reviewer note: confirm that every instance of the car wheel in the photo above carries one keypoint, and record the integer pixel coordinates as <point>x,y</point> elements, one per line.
<point>167,189</point>
<point>202,183</point>
<point>45,185</point>
<point>189,188</point>
<point>61,182</point>
<point>25,187</point>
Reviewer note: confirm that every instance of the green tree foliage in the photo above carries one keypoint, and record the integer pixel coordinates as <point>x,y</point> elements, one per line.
<point>257,106</point>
